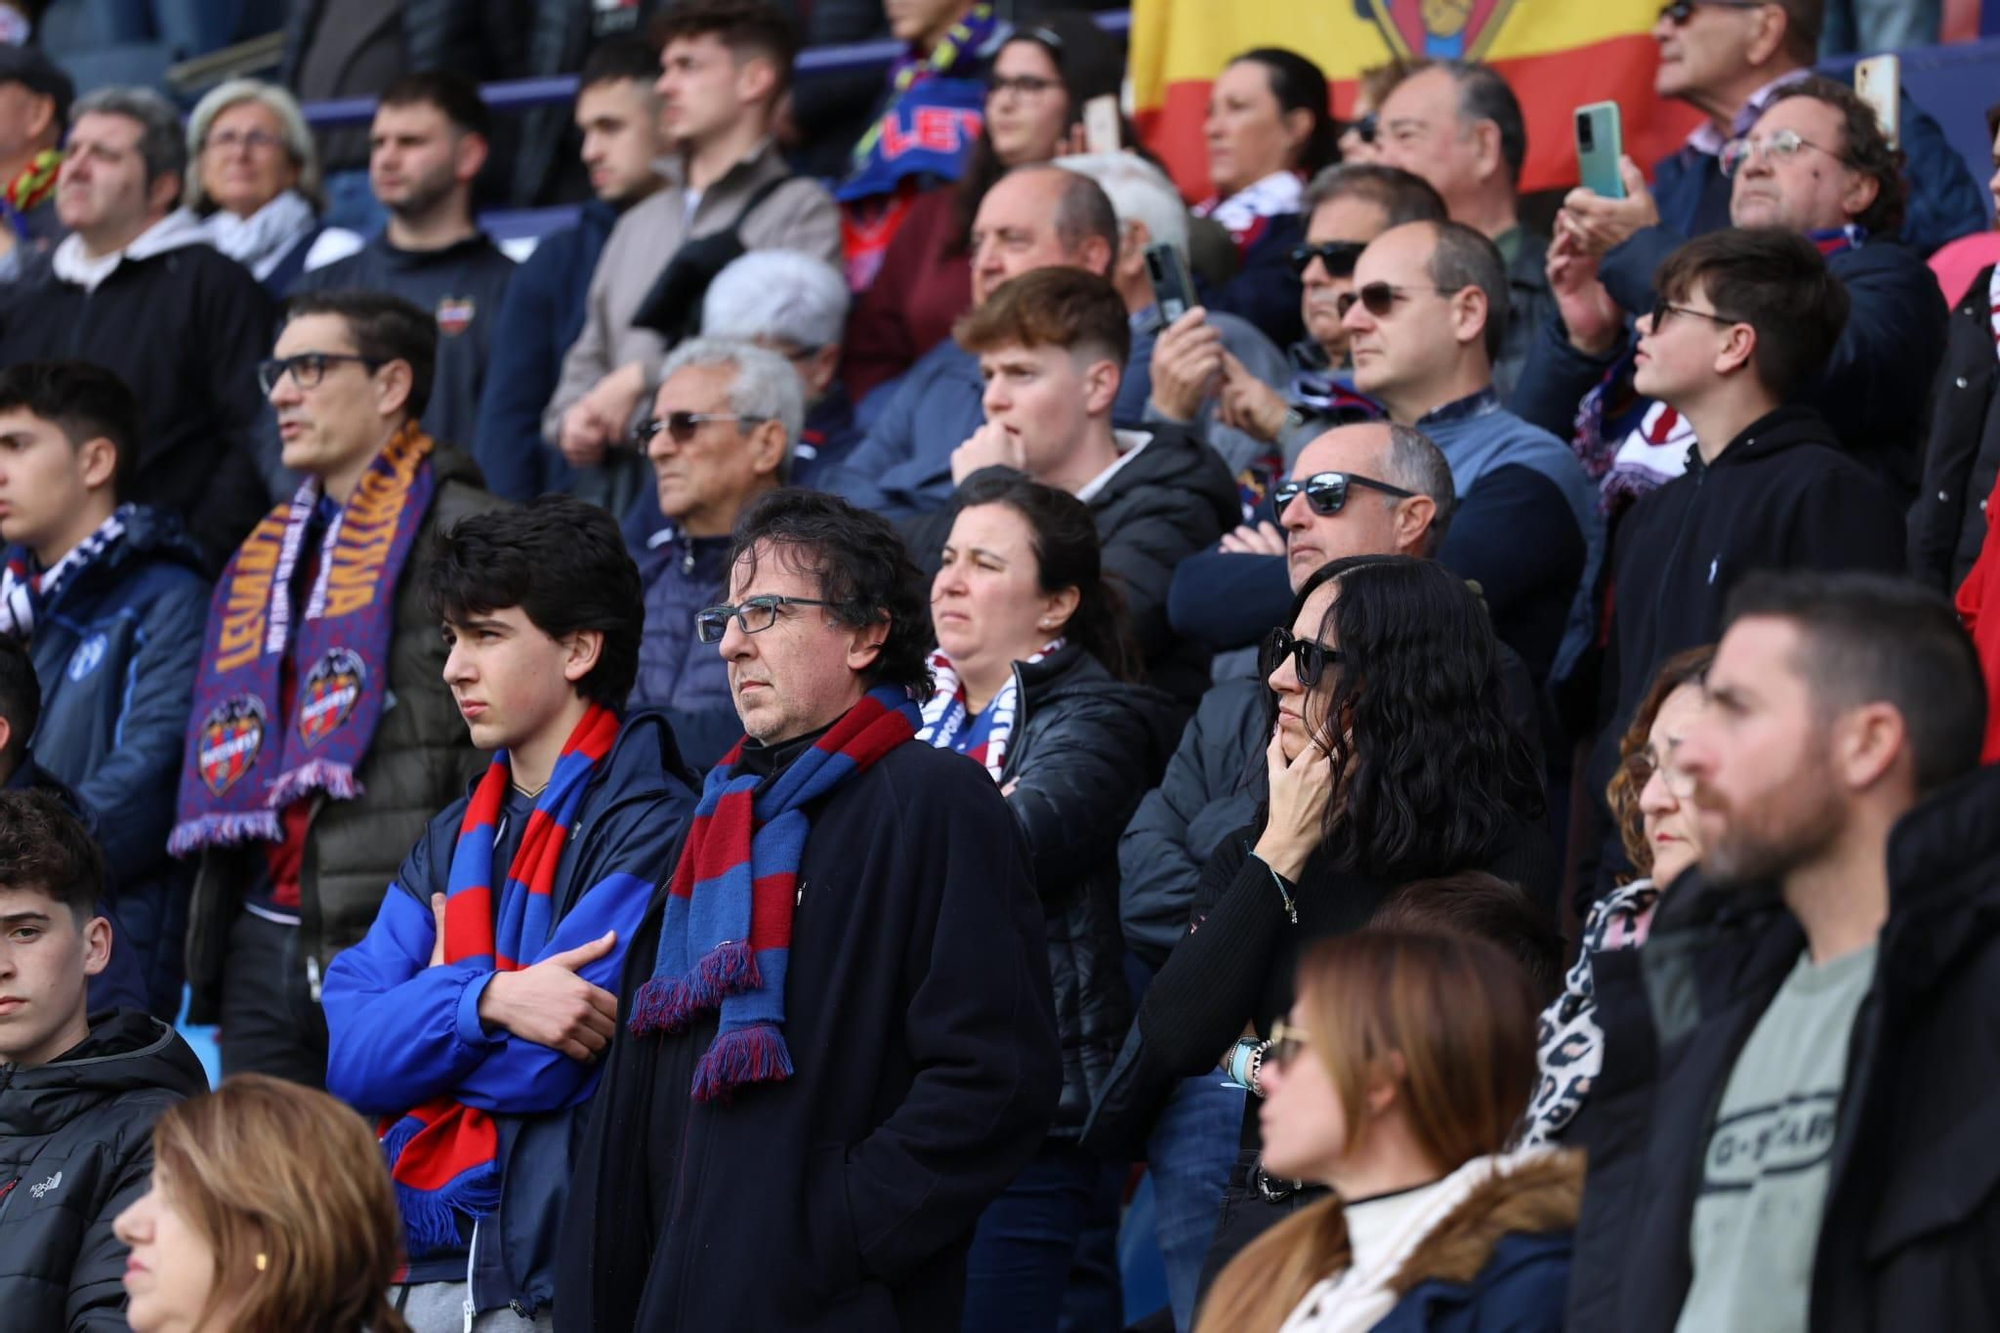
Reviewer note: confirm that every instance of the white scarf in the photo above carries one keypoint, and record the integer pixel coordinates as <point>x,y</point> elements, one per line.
<point>1278,193</point>
<point>262,240</point>
<point>946,716</point>
<point>1993,307</point>
<point>1359,1297</point>
<point>24,592</point>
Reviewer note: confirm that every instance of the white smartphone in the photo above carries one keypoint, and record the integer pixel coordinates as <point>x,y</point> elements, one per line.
<point>1878,82</point>
<point>1100,124</point>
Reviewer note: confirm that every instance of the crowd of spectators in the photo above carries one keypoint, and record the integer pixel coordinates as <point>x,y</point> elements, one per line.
<point>892,683</point>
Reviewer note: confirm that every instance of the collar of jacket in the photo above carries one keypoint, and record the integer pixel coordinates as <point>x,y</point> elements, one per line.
<point>673,167</point>
<point>1539,1196</point>
<point>1782,428</point>
<point>420,259</point>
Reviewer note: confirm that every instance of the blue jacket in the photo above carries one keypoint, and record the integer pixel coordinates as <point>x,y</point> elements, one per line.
<point>682,676</point>
<point>116,652</point>
<point>902,467</point>
<point>540,318</point>
<point>402,1032</point>
<point>1266,289</point>
<point>1945,201</point>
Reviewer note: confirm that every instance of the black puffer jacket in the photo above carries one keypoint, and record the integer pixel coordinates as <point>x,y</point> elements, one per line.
<point>76,1146</point>
<point>1948,522</point>
<point>1086,747</point>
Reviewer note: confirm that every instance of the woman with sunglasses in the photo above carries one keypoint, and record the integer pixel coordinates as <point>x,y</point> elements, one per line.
<point>1032,673</point>
<point>1649,797</point>
<point>1268,131</point>
<point>1390,760</point>
<point>1041,78</point>
<point>1398,1078</point>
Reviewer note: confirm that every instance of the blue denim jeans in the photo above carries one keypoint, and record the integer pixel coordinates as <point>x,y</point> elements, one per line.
<point>1189,1155</point>
<point>1018,1271</point>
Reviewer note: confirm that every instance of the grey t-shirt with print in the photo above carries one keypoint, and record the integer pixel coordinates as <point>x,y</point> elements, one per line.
<point>1764,1179</point>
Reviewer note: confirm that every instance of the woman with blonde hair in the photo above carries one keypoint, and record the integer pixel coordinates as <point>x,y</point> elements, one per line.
<point>253,179</point>
<point>270,1212</point>
<point>1399,1079</point>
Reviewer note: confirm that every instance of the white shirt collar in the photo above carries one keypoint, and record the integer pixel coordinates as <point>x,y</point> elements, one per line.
<point>1130,442</point>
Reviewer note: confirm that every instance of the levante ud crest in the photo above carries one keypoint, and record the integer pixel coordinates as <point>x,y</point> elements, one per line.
<point>329,694</point>
<point>230,738</point>
<point>1436,29</point>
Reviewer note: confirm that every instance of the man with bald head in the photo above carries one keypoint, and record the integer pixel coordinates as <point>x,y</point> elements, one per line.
<point>1033,217</point>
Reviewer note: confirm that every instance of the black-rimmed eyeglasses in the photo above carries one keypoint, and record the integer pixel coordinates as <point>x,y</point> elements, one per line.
<point>308,368</point>
<point>754,616</point>
<point>1326,492</point>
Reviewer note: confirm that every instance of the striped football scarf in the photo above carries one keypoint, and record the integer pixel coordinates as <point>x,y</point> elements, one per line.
<point>948,723</point>
<point>442,1154</point>
<point>726,936</point>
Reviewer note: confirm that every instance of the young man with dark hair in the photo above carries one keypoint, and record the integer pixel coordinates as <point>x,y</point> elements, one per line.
<point>618,115</point>
<point>472,1016</point>
<point>841,1041</point>
<point>136,288</point>
<point>1798,1140</point>
<point>79,1091</point>
<point>322,737</point>
<point>109,597</point>
<point>428,143</point>
<point>724,68</point>
<point>1743,319</point>
<point>1052,345</point>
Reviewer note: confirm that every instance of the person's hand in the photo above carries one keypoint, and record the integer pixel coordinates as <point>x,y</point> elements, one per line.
<point>437,941</point>
<point>1074,142</point>
<point>1300,792</point>
<point>1249,404</point>
<point>1590,317</point>
<point>1187,364</point>
<point>1597,223</point>
<point>1255,539</point>
<point>989,446</point>
<point>582,437</point>
<point>550,1005</point>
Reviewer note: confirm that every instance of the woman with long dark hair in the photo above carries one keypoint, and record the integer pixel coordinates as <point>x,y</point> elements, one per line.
<point>1031,674</point>
<point>1391,760</point>
<point>1040,80</point>
<point>1398,1079</point>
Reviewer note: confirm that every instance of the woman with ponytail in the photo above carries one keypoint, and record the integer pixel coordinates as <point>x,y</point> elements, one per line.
<point>1399,1079</point>
<point>270,1212</point>
<point>1031,670</point>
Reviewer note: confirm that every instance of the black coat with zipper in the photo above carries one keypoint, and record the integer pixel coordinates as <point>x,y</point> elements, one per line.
<point>1912,1218</point>
<point>76,1147</point>
<point>1948,521</point>
<point>1085,749</point>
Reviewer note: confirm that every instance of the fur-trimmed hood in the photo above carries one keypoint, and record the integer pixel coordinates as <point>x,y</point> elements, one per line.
<point>1531,1197</point>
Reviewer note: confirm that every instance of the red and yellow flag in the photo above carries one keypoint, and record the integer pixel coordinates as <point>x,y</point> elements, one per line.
<point>1555,54</point>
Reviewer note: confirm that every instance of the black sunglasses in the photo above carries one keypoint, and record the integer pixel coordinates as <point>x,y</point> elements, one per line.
<point>1363,127</point>
<point>1381,297</point>
<point>1338,256</point>
<point>1326,492</point>
<point>681,426</point>
<point>1309,656</point>
<point>1680,11</point>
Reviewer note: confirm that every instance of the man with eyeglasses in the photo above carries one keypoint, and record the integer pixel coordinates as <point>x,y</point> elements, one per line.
<point>721,435</point>
<point>1425,319</point>
<point>1742,319</point>
<point>136,288</point>
<point>322,736</point>
<point>1728,59</point>
<point>1816,164</point>
<point>839,1035</point>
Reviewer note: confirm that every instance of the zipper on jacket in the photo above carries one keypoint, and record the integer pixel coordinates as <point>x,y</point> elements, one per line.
<point>471,1255</point>
<point>1020,724</point>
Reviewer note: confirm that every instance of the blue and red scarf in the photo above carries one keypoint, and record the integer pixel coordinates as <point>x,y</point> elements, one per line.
<point>247,760</point>
<point>442,1155</point>
<point>726,936</point>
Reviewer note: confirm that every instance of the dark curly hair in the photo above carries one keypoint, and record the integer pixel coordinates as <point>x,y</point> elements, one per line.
<point>861,566</point>
<point>1686,667</point>
<point>1416,702</point>
<point>564,564</point>
<point>1863,146</point>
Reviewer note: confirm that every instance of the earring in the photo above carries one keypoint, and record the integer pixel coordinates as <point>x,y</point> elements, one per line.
<point>263,1261</point>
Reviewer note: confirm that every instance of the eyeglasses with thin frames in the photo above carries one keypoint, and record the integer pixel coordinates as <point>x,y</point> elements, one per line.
<point>1309,656</point>
<point>1286,1043</point>
<point>229,140</point>
<point>1777,146</point>
<point>1663,308</point>
<point>1327,492</point>
<point>1021,85</point>
<point>1380,298</point>
<point>681,426</point>
<point>308,368</point>
<point>754,616</point>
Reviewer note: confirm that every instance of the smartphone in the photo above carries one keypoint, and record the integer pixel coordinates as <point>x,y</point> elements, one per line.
<point>1599,145</point>
<point>1878,82</point>
<point>1173,285</point>
<point>1100,124</point>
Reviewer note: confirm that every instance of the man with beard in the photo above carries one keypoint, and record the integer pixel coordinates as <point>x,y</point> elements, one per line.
<point>1800,1065</point>
<point>428,142</point>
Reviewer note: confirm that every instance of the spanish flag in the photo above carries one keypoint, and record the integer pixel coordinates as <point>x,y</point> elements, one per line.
<point>1555,54</point>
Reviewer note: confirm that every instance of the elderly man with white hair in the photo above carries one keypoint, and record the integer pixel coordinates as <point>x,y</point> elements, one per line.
<point>1150,212</point>
<point>724,422</point>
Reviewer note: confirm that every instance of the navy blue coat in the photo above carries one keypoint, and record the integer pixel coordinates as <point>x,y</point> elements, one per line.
<point>116,652</point>
<point>541,317</point>
<point>679,575</point>
<point>1521,1290</point>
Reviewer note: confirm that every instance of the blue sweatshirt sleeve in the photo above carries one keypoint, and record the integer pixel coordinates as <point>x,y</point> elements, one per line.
<point>1227,600</point>
<point>1485,540</point>
<point>1627,271</point>
<point>521,377</point>
<point>889,471</point>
